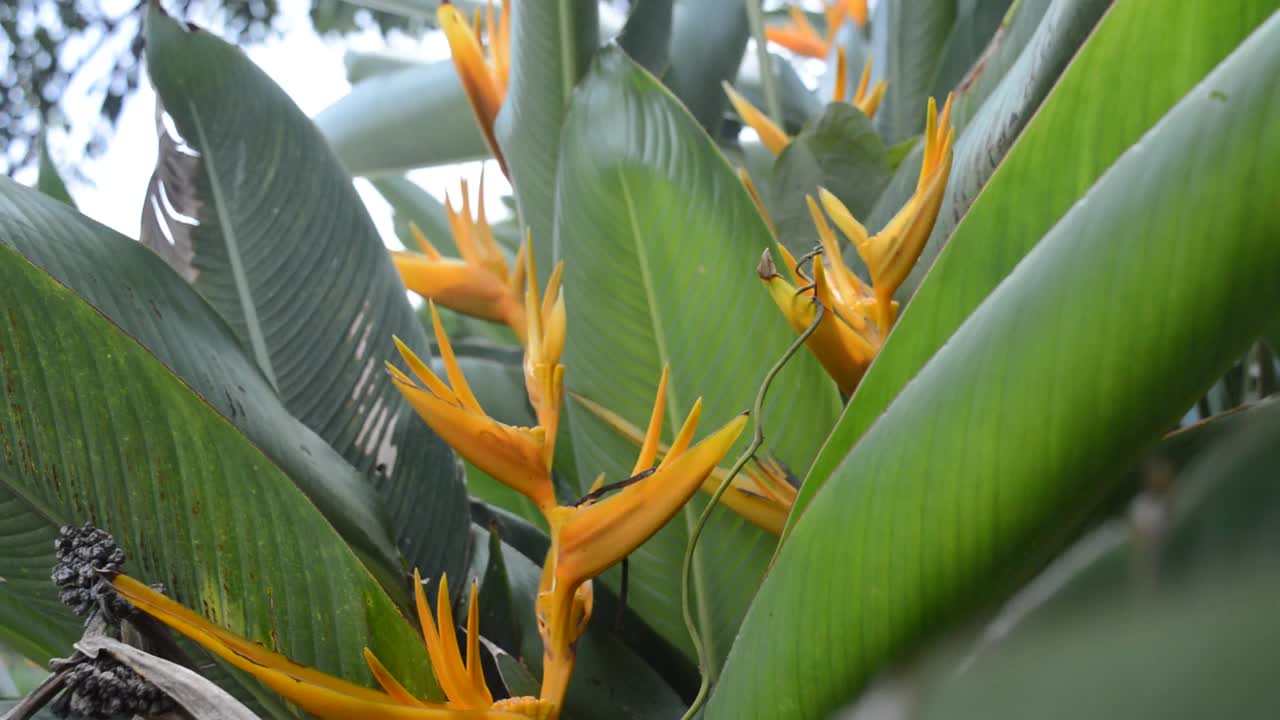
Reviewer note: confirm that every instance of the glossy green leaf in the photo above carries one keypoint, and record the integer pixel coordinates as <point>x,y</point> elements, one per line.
<point>551,44</point>
<point>409,118</point>
<point>652,216</point>
<point>284,250</point>
<point>159,310</point>
<point>1000,445</point>
<point>708,38</point>
<point>1104,102</point>
<point>94,427</point>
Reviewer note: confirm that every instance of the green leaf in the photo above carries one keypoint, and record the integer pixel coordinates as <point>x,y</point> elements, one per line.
<point>94,427</point>
<point>647,35</point>
<point>1105,101</point>
<point>48,179</point>
<point>907,40</point>
<point>1204,652</point>
<point>285,252</point>
<point>977,22</point>
<point>409,118</point>
<point>999,446</point>
<point>838,150</point>
<point>411,204</point>
<point>364,65</point>
<point>708,38</point>
<point>652,217</point>
<point>134,289</point>
<point>551,44</point>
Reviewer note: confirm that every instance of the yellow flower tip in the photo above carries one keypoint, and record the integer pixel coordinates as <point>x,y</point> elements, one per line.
<point>772,136</point>
<point>842,76</point>
<point>653,436</point>
<point>389,682</point>
<point>475,74</point>
<point>856,9</point>
<point>868,103</point>
<point>465,690</point>
<point>423,244</point>
<point>321,695</point>
<point>597,537</point>
<point>755,199</point>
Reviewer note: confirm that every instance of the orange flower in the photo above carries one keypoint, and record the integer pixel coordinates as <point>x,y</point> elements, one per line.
<point>479,284</point>
<point>484,75</point>
<point>800,37</point>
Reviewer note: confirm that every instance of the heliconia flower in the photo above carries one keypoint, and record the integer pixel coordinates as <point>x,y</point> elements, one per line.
<point>859,316</point>
<point>867,103</point>
<point>761,493</point>
<point>589,538</point>
<point>546,326</point>
<point>484,77</point>
<point>331,698</point>
<point>891,253</point>
<point>773,137</point>
<point>479,284</point>
<point>518,457</point>
<point>800,37</point>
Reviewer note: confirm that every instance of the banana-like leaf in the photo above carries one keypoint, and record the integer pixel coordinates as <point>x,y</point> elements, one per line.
<point>251,207</point>
<point>364,65</point>
<point>650,217</point>
<point>551,45</point>
<point>907,41</point>
<point>1106,99</point>
<point>1005,440</point>
<point>94,427</point>
<point>401,120</point>
<point>708,38</point>
<point>163,314</point>
<point>992,105</point>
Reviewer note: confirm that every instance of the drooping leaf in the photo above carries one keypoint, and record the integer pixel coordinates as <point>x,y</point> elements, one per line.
<point>651,217</point>
<point>94,427</point>
<point>282,248</point>
<point>1006,438</point>
<point>397,121</point>
<point>551,45</point>
<point>1101,106</point>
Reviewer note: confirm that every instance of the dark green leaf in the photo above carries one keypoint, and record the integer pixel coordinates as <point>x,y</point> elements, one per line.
<point>286,253</point>
<point>647,35</point>
<point>708,38</point>
<point>658,217</point>
<point>907,40</point>
<point>999,446</point>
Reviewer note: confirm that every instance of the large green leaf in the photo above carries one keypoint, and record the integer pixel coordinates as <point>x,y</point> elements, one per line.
<point>551,44</point>
<point>94,427</point>
<point>995,451</point>
<point>1104,102</point>
<point>134,289</point>
<point>708,38</point>
<point>283,249</point>
<point>660,241</point>
<point>401,120</point>
<point>907,41</point>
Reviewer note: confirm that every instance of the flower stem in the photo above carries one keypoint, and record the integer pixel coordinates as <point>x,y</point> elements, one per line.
<point>757,439</point>
<point>755,19</point>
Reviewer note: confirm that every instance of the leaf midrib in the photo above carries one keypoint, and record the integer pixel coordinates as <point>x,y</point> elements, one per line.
<point>690,518</point>
<point>253,326</point>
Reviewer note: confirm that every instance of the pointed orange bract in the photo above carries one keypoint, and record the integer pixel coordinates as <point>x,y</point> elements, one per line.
<point>322,695</point>
<point>858,317</point>
<point>800,37</point>
<point>771,136</point>
<point>479,284</point>
<point>484,78</point>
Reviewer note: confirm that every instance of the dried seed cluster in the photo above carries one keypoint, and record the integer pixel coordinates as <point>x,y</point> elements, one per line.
<point>102,687</point>
<point>81,553</point>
